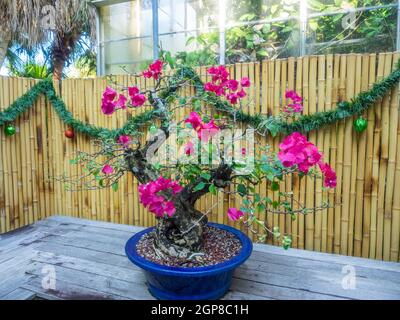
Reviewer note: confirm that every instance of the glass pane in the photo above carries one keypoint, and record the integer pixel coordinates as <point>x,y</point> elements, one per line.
<point>127,55</point>
<point>126,36</point>
<point>126,20</point>
<point>367,31</point>
<point>319,6</point>
<point>239,11</point>
<point>259,29</point>
<point>189,29</point>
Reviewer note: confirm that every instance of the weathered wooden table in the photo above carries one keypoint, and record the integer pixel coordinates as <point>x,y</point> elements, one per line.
<point>68,258</point>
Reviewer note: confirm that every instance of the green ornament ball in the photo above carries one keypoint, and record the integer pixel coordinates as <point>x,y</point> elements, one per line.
<point>9,130</point>
<point>360,124</point>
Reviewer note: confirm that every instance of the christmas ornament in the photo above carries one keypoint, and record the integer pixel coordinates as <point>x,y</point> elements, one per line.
<point>360,124</point>
<point>9,130</point>
<point>69,133</point>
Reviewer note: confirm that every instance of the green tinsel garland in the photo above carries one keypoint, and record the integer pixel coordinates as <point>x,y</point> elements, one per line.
<point>273,124</point>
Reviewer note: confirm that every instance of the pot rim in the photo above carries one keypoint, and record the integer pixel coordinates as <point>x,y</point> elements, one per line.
<point>244,254</point>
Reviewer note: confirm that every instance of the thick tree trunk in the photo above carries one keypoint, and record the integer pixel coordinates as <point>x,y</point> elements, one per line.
<point>62,48</point>
<point>4,45</point>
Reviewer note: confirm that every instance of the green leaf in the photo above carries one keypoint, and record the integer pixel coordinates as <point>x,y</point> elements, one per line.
<point>274,186</point>
<point>199,187</point>
<point>242,190</point>
<point>206,176</point>
<point>212,189</point>
<point>115,186</point>
<point>101,183</point>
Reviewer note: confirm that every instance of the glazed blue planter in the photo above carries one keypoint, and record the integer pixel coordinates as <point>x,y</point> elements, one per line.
<point>197,283</point>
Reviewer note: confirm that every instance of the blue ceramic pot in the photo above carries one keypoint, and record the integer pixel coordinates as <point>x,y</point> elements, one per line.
<point>200,283</point>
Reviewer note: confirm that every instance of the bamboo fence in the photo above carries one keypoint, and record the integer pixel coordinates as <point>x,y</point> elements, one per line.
<point>366,224</point>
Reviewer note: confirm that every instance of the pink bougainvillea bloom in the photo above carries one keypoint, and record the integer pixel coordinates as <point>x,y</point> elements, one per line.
<point>107,107</point>
<point>124,140</point>
<point>297,150</point>
<point>219,74</point>
<point>107,169</point>
<point>154,71</point>
<point>147,74</point>
<point>294,107</point>
<point>245,82</point>
<point>329,175</point>
<point>109,94</point>
<point>121,102</point>
<point>157,204</point>
<point>189,148</point>
<point>291,94</point>
<point>207,131</point>
<point>108,102</point>
<point>138,100</point>
<point>234,214</point>
<point>232,85</point>
<point>221,84</point>
<point>232,98</point>
<point>133,91</point>
<point>195,120</point>
<point>241,94</point>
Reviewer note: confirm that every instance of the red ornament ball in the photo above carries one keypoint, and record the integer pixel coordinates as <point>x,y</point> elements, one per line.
<point>69,133</point>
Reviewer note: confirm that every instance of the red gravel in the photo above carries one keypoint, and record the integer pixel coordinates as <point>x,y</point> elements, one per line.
<point>218,246</point>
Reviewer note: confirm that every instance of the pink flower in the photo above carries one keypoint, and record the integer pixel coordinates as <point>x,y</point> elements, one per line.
<point>195,120</point>
<point>109,94</point>
<point>107,169</point>
<point>329,175</point>
<point>296,106</point>
<point>232,98</point>
<point>241,94</point>
<point>234,214</point>
<point>297,150</point>
<point>124,140</point>
<point>108,103</point>
<point>219,74</point>
<point>121,102</point>
<point>207,131</point>
<point>133,91</point>
<point>147,74</point>
<point>221,84</point>
<point>244,151</point>
<point>245,82</point>
<point>107,107</point>
<point>291,94</point>
<point>232,85</point>
<point>189,148</point>
<point>157,204</point>
<point>138,100</point>
<point>154,71</point>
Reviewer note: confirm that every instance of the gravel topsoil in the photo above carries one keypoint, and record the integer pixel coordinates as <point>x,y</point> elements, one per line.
<point>218,246</point>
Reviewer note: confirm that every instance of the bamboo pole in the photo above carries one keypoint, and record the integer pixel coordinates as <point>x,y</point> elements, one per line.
<point>362,139</point>
<point>375,165</point>
<point>354,162</point>
<point>391,168</point>
<point>368,165</point>
<point>339,156</point>
<point>383,165</point>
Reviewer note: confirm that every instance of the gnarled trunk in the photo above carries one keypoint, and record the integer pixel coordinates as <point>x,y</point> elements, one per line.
<point>181,235</point>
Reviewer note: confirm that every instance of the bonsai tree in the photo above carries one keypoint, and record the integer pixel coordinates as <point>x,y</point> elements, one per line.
<point>206,154</point>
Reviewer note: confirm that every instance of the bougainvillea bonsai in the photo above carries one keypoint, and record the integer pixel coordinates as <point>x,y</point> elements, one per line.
<point>185,158</point>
